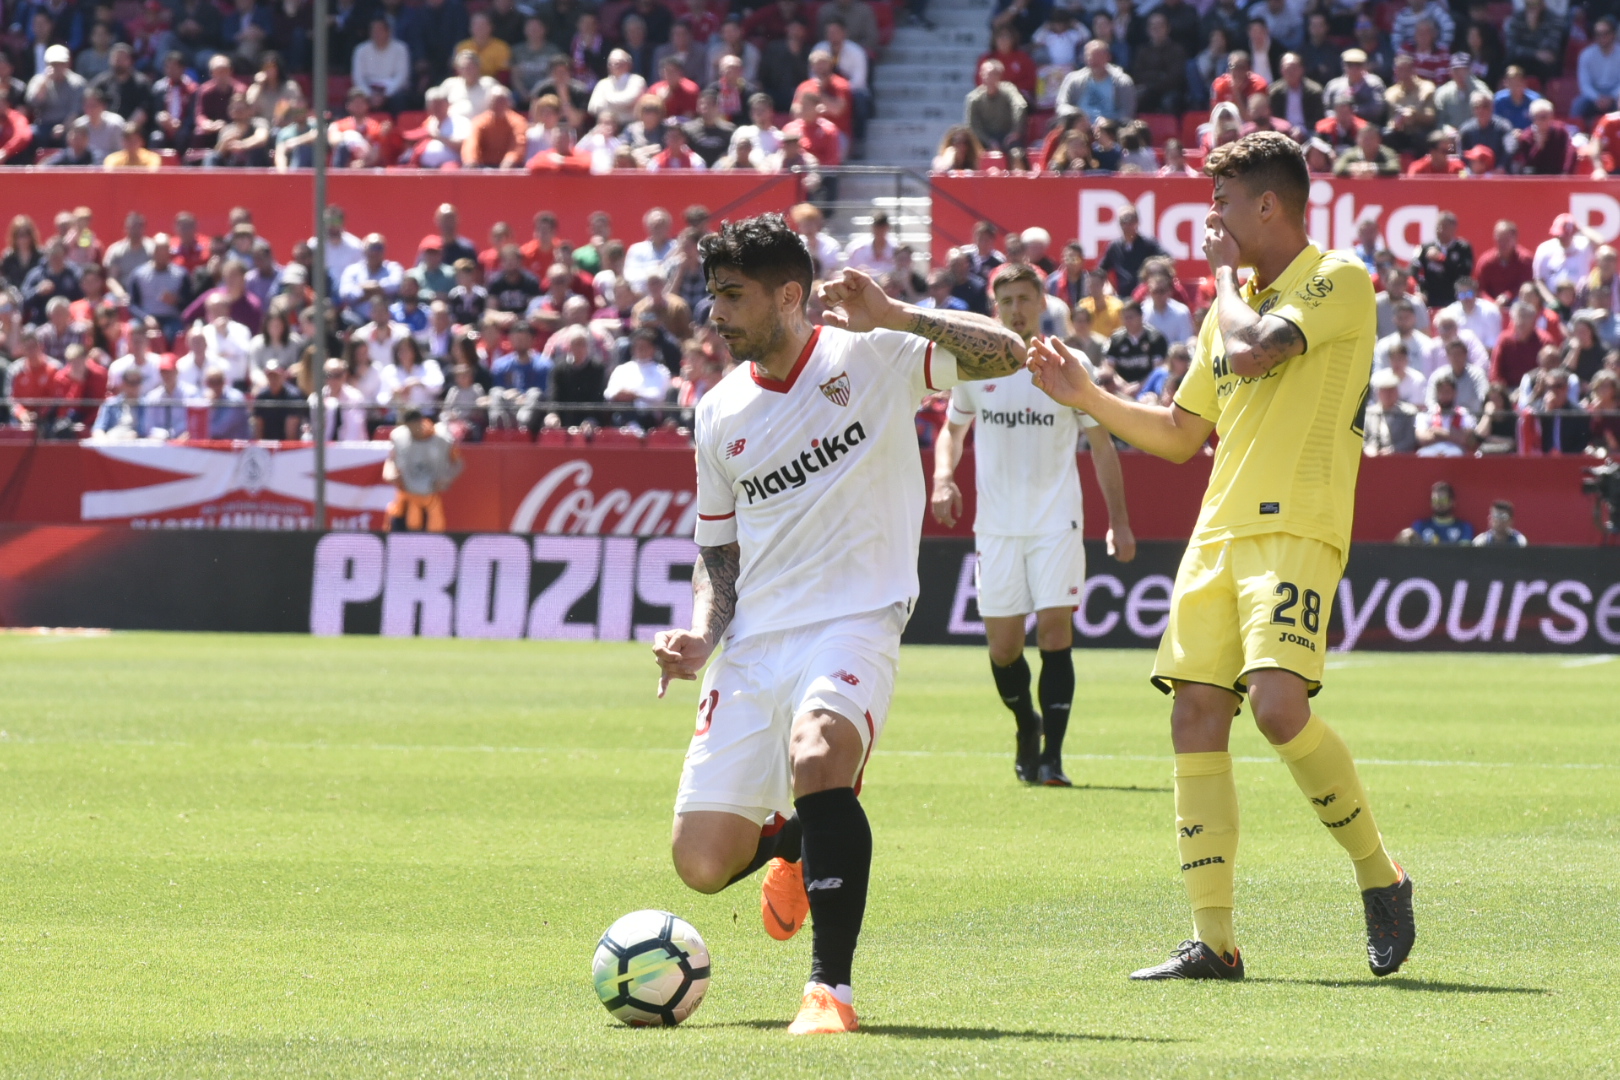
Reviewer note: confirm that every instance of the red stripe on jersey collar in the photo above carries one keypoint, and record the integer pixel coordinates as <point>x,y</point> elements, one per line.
<point>782,386</point>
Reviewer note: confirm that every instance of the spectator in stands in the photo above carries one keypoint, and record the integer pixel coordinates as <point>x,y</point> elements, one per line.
<point>532,56</point>
<point>677,154</point>
<point>874,252</point>
<point>1501,531</point>
<point>1124,256</point>
<point>1390,425</point>
<point>1238,85</point>
<point>1100,89</point>
<point>1412,386</point>
<point>786,65</point>
<point>438,142</point>
<point>1565,257</point>
<point>1260,118</point>
<point>1295,98</point>
<point>1468,380</point>
<point>619,91</point>
<point>494,55</point>
<point>275,414</point>
<point>373,270</point>
<point>966,284</point>
<point>1446,330</point>
<point>1169,316</point>
<point>959,149</point>
<point>819,135</point>
<point>1603,408</point>
<point>1403,31</point>
<point>1598,73</point>
<point>1159,68</point>
<point>1134,349</point>
<point>675,93</point>
<point>1445,429</point>
<point>468,90</point>
<point>1369,157</point>
<point>1410,97</point>
<point>213,100</point>
<point>381,67</point>
<point>1438,161</point>
<point>1535,39</point>
<point>105,127</point>
<point>121,418</point>
<point>1512,102</point>
<point>1517,351</point>
<point>1549,366</point>
<point>994,110</point>
<point>498,136</point>
<point>709,133</point>
<point>730,42</point>
<point>1502,270</point>
<point>166,411</point>
<point>1565,429</point>
<point>76,153</point>
<point>859,20</point>
<point>1485,129</point>
<point>244,142</point>
<point>1475,313</point>
<point>1341,128</point>
<point>641,383</point>
<point>22,252</point>
<point>159,289</point>
<point>133,154</point>
<point>344,405</point>
<point>55,96</point>
<point>1452,100</point>
<point>1365,89</point>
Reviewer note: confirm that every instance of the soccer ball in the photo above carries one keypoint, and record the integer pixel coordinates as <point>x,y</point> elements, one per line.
<point>651,969</point>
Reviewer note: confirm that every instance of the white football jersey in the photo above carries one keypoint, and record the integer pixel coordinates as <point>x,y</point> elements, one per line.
<point>1023,455</point>
<point>817,477</point>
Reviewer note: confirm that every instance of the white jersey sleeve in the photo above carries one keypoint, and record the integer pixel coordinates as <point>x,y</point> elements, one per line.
<point>717,501</point>
<point>963,408</point>
<point>927,367</point>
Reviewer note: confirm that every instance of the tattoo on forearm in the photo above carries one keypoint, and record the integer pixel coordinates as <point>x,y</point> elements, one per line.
<point>983,349</point>
<point>714,589</point>
<point>1271,341</point>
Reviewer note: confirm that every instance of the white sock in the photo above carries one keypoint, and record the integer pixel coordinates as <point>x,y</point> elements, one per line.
<point>843,991</point>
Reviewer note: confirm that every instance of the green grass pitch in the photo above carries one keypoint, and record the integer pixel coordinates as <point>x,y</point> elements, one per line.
<point>286,857</point>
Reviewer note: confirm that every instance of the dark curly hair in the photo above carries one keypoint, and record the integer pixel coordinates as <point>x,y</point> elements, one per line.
<point>764,249</point>
<point>1264,161</point>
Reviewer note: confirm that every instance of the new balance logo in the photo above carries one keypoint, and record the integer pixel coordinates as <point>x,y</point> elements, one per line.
<point>843,676</point>
<point>735,448</point>
<point>1344,821</point>
<point>825,883</point>
<point>1324,801</point>
<point>1211,861</point>
<point>1191,830</point>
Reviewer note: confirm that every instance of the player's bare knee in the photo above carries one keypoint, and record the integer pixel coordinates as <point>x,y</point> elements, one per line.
<point>1003,654</point>
<point>1281,704</point>
<point>1054,630</point>
<point>702,871</point>
<point>825,751</point>
<point>1201,719</point>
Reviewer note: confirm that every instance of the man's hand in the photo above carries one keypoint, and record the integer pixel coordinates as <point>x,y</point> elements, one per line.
<point>1059,373</point>
<point>1122,543</point>
<point>681,654</point>
<point>1219,247</point>
<point>856,303</point>
<point>946,501</point>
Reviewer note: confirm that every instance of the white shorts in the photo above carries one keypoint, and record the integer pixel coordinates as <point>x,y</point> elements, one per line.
<point>738,759</point>
<point>1020,574</point>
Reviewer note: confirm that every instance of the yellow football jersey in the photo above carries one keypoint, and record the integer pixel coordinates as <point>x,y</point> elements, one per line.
<point>1290,440</point>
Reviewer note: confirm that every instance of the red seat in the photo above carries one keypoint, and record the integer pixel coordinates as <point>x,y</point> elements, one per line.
<point>553,437</point>
<point>506,435</point>
<point>169,159</point>
<point>409,120</point>
<point>1562,92</point>
<point>382,433</point>
<point>668,439</point>
<point>883,15</point>
<point>337,89</point>
<point>1161,126</point>
<point>1190,122</point>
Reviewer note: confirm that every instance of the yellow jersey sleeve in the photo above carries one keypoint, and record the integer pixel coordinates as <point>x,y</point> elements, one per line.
<point>1328,304</point>
<point>1196,393</point>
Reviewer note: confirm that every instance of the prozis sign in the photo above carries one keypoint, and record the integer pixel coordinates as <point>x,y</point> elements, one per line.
<point>500,586</point>
<point>1172,210</point>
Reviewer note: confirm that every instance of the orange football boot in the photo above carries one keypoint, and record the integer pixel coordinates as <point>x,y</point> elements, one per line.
<point>783,903</point>
<point>823,1014</point>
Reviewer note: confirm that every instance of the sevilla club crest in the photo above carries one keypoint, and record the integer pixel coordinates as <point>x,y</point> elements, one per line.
<point>837,390</point>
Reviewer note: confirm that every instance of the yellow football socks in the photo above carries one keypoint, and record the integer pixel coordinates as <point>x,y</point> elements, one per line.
<point>1325,772</point>
<point>1207,838</point>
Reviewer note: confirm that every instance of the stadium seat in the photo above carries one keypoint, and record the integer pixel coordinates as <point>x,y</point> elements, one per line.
<point>337,88</point>
<point>507,435</point>
<point>1562,92</point>
<point>548,437</point>
<point>382,433</point>
<point>1161,126</point>
<point>669,438</point>
<point>883,13</point>
<point>1190,123</point>
<point>169,159</point>
<point>409,120</point>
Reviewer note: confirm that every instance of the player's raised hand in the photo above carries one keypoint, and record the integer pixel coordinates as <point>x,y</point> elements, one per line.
<point>1059,373</point>
<point>855,302</point>
<point>681,654</point>
<point>946,502</point>
<point>1219,247</point>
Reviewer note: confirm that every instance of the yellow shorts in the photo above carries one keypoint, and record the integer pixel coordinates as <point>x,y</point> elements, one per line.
<point>1249,604</point>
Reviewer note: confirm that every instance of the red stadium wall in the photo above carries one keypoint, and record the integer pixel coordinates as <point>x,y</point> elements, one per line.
<point>1172,209</point>
<point>648,491</point>
<point>399,204</point>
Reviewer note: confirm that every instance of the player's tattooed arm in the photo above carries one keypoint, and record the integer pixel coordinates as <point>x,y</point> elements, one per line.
<point>714,590</point>
<point>984,349</point>
<point>1255,343</point>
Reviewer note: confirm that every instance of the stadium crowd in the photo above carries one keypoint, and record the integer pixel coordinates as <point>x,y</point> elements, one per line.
<point>1512,350</point>
<point>1413,87</point>
<point>181,335</point>
<point>566,85</point>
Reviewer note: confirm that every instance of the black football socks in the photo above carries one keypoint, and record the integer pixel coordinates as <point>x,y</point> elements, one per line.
<point>778,839</point>
<point>1057,695</point>
<point>837,866</point>
<point>1012,683</point>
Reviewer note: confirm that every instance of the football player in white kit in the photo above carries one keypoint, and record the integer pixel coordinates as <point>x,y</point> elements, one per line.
<point>810,505</point>
<point>1029,526</point>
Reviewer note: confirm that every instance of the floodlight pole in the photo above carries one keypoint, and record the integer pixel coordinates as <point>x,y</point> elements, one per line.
<point>317,414</point>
